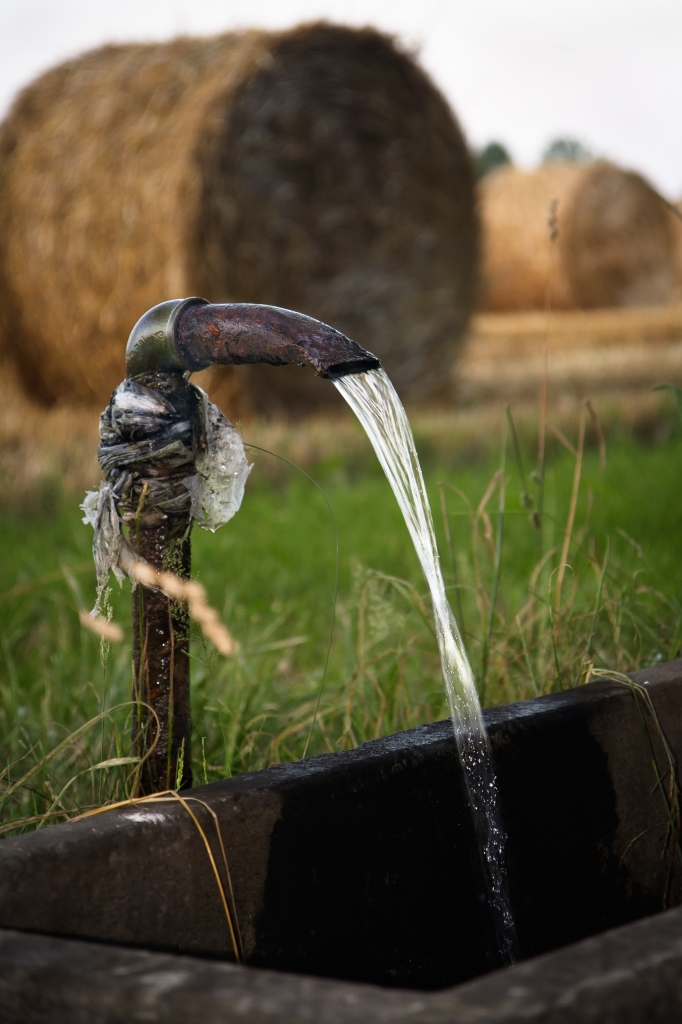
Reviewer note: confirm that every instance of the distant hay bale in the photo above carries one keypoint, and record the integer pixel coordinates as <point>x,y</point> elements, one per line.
<point>614,248</point>
<point>317,169</point>
<point>676,227</point>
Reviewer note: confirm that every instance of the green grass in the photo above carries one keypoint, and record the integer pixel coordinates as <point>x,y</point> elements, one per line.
<point>271,573</point>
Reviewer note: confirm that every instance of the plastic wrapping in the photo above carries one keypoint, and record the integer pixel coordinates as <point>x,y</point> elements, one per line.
<point>165,451</point>
<point>217,486</point>
<point>110,548</point>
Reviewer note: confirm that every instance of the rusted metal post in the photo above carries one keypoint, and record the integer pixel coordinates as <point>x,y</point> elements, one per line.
<point>162,721</point>
<point>159,533</point>
<point>151,436</point>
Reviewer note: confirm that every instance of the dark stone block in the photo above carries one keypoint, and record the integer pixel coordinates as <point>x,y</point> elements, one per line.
<point>361,865</point>
<point>626,976</point>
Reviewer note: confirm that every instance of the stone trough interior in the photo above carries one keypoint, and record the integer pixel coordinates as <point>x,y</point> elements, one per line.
<point>361,865</point>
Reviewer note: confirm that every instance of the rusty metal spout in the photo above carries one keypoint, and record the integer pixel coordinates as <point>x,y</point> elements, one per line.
<point>168,341</point>
<point>191,334</point>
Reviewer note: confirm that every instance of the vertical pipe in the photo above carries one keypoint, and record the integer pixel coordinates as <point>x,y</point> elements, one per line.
<point>157,511</point>
<point>161,662</point>
<point>170,340</point>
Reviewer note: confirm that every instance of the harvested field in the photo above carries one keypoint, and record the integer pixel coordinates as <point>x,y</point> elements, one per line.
<point>589,352</point>
<point>56,448</point>
<point>616,356</point>
<point>39,445</point>
<point>317,169</point>
<point>615,244</point>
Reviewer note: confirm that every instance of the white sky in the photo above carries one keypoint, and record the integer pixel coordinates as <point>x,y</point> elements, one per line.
<point>608,72</point>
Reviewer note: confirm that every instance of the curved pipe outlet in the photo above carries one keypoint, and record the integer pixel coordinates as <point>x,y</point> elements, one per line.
<point>191,334</point>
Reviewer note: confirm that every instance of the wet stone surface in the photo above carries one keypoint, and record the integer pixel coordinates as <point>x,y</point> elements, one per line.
<point>361,865</point>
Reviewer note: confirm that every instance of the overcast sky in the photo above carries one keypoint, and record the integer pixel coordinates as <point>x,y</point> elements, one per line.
<point>608,72</point>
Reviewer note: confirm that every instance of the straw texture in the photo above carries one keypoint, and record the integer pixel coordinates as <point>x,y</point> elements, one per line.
<point>676,226</point>
<point>316,169</point>
<point>615,244</point>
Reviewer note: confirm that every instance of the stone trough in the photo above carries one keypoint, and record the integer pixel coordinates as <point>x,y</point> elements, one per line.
<point>361,867</point>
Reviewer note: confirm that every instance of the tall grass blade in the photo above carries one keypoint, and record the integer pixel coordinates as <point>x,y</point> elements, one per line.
<point>571,512</point>
<point>498,563</point>
<point>451,557</point>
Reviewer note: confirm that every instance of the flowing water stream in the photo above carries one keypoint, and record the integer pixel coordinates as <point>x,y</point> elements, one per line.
<point>375,402</point>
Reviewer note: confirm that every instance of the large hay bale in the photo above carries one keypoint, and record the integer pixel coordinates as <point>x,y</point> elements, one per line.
<point>614,247</point>
<point>317,169</point>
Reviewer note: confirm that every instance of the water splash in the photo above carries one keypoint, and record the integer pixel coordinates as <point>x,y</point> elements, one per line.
<point>375,402</point>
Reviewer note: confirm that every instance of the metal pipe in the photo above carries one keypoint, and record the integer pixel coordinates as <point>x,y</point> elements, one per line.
<point>191,334</point>
<point>162,726</point>
<point>168,341</point>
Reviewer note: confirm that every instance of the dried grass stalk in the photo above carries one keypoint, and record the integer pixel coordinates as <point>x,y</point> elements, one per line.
<point>194,595</point>
<point>317,169</point>
<point>615,244</point>
<point>109,631</point>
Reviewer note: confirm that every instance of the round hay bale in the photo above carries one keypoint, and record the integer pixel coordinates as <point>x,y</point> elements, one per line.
<point>614,246</point>
<point>317,169</point>
<point>676,227</point>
